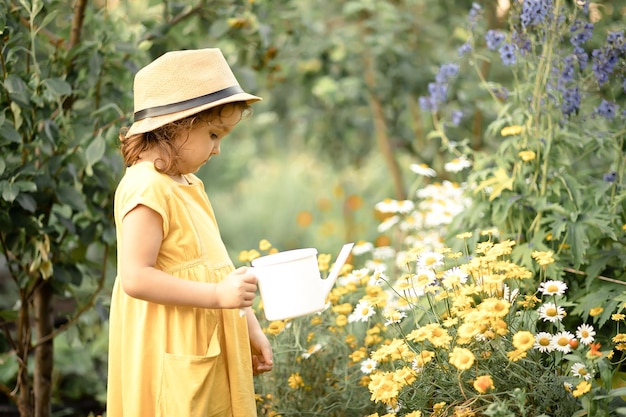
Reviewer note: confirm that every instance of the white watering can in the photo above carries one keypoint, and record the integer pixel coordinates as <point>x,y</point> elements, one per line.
<point>290,282</point>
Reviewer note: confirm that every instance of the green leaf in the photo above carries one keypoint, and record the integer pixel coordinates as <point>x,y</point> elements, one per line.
<point>95,150</point>
<point>8,134</point>
<point>27,202</point>
<point>57,88</point>
<point>17,89</point>
<point>9,191</point>
<point>70,196</point>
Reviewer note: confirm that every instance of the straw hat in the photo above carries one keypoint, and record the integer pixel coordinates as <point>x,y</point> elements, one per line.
<point>182,83</point>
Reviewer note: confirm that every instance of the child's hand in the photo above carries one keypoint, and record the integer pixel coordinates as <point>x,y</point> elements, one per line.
<point>237,290</point>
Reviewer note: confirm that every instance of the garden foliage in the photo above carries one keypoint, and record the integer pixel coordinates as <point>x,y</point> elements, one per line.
<point>505,298</point>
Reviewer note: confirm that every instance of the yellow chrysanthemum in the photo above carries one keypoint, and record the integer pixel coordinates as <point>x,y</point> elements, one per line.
<point>527,156</point>
<point>543,258</point>
<point>275,327</point>
<point>582,388</point>
<point>512,130</point>
<point>483,383</point>
<point>384,388</point>
<point>295,381</point>
<point>516,355</point>
<point>462,358</point>
<point>423,358</point>
<point>596,311</point>
<point>523,340</point>
<point>264,245</point>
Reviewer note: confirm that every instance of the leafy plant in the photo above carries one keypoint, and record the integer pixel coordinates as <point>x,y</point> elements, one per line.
<point>60,96</point>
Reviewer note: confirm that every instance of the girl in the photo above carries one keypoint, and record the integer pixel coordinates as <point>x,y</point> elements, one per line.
<point>183,339</point>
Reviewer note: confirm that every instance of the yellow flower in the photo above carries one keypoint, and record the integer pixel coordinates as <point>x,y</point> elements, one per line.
<point>358,355</point>
<point>511,130</point>
<point>582,388</point>
<point>345,308</point>
<point>516,355</point>
<point>465,235</point>
<point>543,258</point>
<point>415,413</point>
<point>495,307</point>
<point>341,320</point>
<point>438,407</point>
<point>462,358</point>
<point>248,255</point>
<point>596,311</point>
<point>295,381</point>
<point>617,317</point>
<point>523,340</point>
<point>483,384</point>
<point>527,156</point>
<point>384,388</point>
<point>264,245</point>
<point>423,358</point>
<point>275,327</point>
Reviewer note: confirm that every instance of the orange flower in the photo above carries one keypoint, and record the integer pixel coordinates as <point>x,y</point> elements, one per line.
<point>483,384</point>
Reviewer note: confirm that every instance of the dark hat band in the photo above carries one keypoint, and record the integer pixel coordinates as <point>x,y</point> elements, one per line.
<point>187,104</point>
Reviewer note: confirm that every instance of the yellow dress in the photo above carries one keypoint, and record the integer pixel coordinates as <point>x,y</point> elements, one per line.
<point>169,361</point>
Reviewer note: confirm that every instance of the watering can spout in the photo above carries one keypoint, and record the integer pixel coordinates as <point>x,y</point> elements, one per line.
<point>329,282</point>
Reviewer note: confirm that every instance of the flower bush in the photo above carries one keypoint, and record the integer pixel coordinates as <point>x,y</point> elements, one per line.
<point>500,294</point>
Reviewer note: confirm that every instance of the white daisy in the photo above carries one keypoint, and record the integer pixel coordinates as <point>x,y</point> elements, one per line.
<point>362,312</point>
<point>580,370</point>
<point>312,350</point>
<point>509,295</point>
<point>423,169</point>
<point>430,260</point>
<point>553,287</point>
<point>457,164</point>
<point>544,342</point>
<point>562,340</point>
<point>368,365</point>
<point>551,312</point>
<point>394,316</point>
<point>388,223</point>
<point>585,334</point>
<point>454,277</point>
<point>362,247</point>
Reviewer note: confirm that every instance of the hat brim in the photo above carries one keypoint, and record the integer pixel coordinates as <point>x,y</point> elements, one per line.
<point>150,123</point>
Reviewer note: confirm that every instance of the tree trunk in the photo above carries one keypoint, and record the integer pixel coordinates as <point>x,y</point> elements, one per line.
<point>24,394</point>
<point>43,351</point>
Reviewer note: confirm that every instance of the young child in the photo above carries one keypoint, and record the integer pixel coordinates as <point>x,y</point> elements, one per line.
<point>183,339</point>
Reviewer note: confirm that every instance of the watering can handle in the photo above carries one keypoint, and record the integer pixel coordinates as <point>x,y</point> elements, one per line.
<point>336,269</point>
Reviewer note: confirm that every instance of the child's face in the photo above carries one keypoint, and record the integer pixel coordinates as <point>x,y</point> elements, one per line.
<point>203,141</point>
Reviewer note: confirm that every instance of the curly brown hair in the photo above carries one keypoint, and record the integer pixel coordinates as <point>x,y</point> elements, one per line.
<point>162,138</point>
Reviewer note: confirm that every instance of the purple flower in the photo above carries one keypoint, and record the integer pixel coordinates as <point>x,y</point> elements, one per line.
<point>571,101</point>
<point>502,93</point>
<point>581,56</point>
<point>581,32</point>
<point>446,72</point>
<point>466,48</point>
<point>567,74</point>
<point>507,54</point>
<point>427,104</point>
<point>456,117</point>
<point>610,177</point>
<point>439,89</point>
<point>494,38</point>
<point>535,12</point>
<point>474,12</point>
<point>522,43</point>
<point>607,109</point>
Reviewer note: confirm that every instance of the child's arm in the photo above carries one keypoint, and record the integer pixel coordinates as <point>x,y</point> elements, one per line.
<point>142,236</point>
<point>262,357</point>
